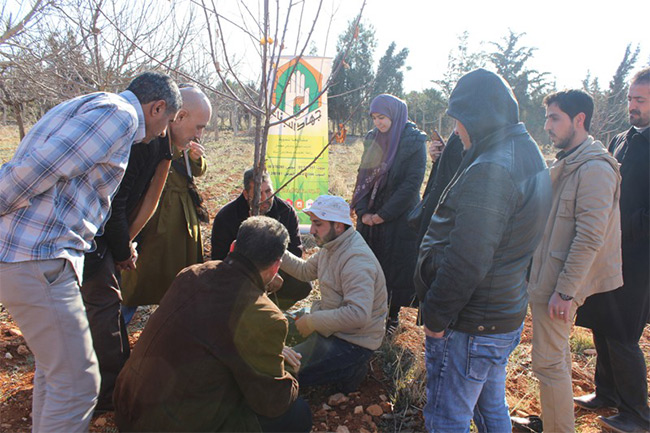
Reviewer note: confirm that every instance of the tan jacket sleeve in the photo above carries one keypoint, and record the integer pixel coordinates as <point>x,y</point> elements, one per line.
<point>304,270</point>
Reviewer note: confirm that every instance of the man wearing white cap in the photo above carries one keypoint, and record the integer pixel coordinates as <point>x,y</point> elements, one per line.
<point>347,324</point>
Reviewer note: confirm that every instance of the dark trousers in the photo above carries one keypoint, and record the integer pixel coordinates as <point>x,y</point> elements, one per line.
<point>296,419</point>
<point>101,296</point>
<point>621,377</point>
<point>330,360</point>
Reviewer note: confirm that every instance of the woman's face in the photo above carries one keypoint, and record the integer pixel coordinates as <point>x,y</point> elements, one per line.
<point>382,123</point>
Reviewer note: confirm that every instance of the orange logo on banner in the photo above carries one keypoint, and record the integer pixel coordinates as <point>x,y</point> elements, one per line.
<point>300,204</point>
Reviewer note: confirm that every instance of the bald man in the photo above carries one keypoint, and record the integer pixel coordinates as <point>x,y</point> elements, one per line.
<point>171,240</point>
<point>134,203</point>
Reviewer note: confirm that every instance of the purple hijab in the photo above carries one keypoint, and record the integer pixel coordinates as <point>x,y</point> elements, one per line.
<point>379,157</point>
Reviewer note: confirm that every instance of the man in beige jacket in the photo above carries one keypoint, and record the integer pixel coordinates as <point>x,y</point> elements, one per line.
<point>347,323</point>
<point>580,252</point>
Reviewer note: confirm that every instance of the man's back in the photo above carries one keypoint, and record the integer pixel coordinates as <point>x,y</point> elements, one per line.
<point>209,358</point>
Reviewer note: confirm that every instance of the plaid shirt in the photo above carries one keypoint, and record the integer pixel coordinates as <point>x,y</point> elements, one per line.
<point>55,193</point>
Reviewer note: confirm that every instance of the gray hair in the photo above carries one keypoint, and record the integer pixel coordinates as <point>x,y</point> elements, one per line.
<point>262,240</point>
<point>155,86</point>
<point>249,176</point>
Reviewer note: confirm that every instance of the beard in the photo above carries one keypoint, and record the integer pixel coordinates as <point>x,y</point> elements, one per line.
<point>637,119</point>
<point>329,236</point>
<point>563,143</point>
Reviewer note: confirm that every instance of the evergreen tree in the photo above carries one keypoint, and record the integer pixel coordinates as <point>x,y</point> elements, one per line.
<point>389,77</point>
<point>529,85</point>
<point>348,95</point>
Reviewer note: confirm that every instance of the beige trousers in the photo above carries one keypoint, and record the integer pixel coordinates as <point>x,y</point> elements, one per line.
<point>552,366</point>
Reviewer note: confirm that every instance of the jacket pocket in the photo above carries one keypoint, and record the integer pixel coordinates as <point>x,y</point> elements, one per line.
<point>560,255</point>
<point>567,204</point>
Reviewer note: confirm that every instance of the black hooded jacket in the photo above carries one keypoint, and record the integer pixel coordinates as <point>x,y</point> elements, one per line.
<point>471,271</point>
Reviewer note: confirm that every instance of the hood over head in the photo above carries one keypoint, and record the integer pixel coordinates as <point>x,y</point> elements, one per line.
<point>484,103</point>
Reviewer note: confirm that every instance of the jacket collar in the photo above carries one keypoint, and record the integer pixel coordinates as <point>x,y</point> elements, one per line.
<point>235,259</point>
<point>588,150</point>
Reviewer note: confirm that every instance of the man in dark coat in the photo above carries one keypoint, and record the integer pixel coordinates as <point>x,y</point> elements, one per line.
<point>230,217</point>
<point>471,271</point>
<point>442,172</point>
<point>211,356</point>
<point>618,318</point>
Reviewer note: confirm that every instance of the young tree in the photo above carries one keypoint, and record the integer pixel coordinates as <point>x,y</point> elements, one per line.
<point>272,31</point>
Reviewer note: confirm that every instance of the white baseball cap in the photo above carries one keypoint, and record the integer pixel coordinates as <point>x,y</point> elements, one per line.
<point>331,208</point>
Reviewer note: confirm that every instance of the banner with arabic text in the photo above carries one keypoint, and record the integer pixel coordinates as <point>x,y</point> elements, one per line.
<point>294,144</point>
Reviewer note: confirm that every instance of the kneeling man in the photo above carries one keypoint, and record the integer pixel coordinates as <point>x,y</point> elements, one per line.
<point>348,323</point>
<point>210,357</point>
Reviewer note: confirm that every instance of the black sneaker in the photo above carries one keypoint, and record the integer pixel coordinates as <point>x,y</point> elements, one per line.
<point>531,423</point>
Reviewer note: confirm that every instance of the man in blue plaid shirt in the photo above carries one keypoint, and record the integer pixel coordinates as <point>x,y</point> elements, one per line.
<point>55,195</point>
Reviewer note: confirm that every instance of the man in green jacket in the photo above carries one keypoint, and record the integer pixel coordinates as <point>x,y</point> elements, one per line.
<point>210,357</point>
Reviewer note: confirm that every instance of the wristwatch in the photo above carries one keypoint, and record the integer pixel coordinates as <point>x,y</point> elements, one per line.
<point>565,297</point>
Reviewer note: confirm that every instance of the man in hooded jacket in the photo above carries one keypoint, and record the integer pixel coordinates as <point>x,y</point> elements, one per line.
<point>471,270</point>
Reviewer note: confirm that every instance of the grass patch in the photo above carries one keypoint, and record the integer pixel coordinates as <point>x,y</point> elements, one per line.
<point>580,340</point>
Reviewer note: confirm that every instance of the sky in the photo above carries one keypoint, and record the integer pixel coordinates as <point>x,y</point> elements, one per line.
<point>572,37</point>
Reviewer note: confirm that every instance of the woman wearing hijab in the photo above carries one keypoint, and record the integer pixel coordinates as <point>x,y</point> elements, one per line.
<point>388,187</point>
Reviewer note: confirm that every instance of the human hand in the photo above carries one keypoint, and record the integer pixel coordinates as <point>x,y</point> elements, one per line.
<point>435,149</point>
<point>303,326</point>
<point>432,334</point>
<point>367,219</point>
<point>196,150</point>
<point>559,308</point>
<point>292,358</point>
<point>376,219</point>
<point>128,264</point>
<point>275,284</point>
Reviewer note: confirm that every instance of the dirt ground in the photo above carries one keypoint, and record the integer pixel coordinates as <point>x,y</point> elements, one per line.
<point>368,410</point>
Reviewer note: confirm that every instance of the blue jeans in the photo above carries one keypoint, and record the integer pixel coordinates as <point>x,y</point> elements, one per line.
<point>466,377</point>
<point>330,360</point>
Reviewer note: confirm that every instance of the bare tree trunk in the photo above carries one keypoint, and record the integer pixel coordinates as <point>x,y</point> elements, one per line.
<point>18,112</point>
<point>235,120</point>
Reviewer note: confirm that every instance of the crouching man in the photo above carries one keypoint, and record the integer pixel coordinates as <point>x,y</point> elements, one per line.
<point>347,324</point>
<point>210,357</point>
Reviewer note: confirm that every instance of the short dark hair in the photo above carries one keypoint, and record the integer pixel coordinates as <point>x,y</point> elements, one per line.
<point>262,240</point>
<point>156,86</point>
<point>572,102</point>
<point>249,176</point>
<point>641,77</point>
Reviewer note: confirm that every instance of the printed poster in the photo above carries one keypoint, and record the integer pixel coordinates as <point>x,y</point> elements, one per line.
<point>293,144</point>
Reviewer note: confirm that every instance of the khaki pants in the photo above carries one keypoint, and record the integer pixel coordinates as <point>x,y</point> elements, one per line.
<point>552,366</point>
<point>43,298</point>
